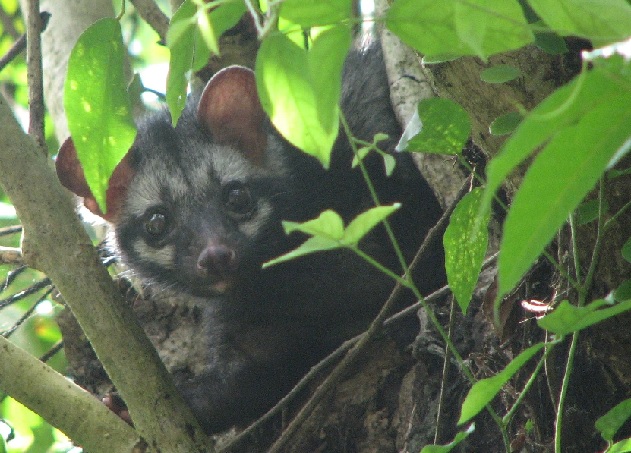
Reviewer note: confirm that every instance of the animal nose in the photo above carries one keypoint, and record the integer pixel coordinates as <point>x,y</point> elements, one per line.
<point>217,260</point>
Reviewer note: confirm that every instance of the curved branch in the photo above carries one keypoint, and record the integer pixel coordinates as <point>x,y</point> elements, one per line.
<point>73,410</point>
<point>56,243</point>
<point>149,11</point>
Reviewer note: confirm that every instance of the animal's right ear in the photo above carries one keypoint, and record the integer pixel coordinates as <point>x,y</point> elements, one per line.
<point>230,109</point>
<point>72,177</point>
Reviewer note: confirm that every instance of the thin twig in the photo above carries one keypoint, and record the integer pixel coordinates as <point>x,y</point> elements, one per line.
<point>37,286</point>
<point>7,24</point>
<point>153,15</point>
<point>27,314</point>
<point>16,49</point>
<point>10,230</point>
<point>34,26</point>
<point>52,351</point>
<point>445,376</point>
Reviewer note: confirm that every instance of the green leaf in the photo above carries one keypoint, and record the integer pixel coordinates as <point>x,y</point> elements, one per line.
<point>623,291</point>
<point>445,127</point>
<point>609,424</point>
<point>557,181</point>
<point>300,89</point>
<point>311,245</point>
<point>465,242</point>
<point>43,438</point>
<point>328,224</point>
<point>207,31</point>
<point>462,435</point>
<point>365,222</point>
<point>623,446</point>
<point>505,124</point>
<point>309,13</point>
<point>567,318</point>
<point>389,163</point>
<point>181,39</point>
<point>440,29</point>
<point>562,109</point>
<point>500,73</point>
<point>97,106</point>
<point>483,392</point>
<point>192,37</point>
<point>626,250</point>
<point>601,21</point>
<point>588,211</point>
<point>327,231</point>
<point>211,26</point>
<point>551,43</point>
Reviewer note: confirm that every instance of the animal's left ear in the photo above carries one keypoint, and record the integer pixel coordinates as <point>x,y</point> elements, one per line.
<point>230,108</point>
<point>72,177</point>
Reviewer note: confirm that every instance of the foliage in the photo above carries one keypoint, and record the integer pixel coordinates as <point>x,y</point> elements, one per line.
<point>298,77</point>
<point>96,103</point>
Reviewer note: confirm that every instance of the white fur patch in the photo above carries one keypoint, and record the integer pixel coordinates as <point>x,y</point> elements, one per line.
<point>164,256</point>
<point>253,226</point>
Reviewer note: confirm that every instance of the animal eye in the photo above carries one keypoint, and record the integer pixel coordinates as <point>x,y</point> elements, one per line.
<point>156,224</point>
<point>238,200</point>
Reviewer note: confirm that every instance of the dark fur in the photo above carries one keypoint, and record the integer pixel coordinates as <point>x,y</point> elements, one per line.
<point>272,325</point>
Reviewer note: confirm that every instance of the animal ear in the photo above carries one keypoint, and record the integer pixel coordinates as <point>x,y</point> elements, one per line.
<point>72,177</point>
<point>230,108</point>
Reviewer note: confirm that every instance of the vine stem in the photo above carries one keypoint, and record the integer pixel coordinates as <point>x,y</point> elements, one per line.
<point>582,297</point>
<point>408,278</point>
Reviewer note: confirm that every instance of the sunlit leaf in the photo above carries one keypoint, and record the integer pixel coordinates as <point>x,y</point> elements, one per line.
<point>557,181</point>
<point>624,446</point>
<point>181,39</point>
<point>567,318</point>
<point>97,106</point>
<point>483,392</point>
<point>311,245</point>
<point>192,37</point>
<point>300,89</point>
<point>609,424</point>
<point>601,21</point>
<point>366,221</point>
<point>440,29</point>
<point>328,224</point>
<point>562,109</point>
<point>327,231</point>
<point>462,435</point>
<point>445,127</point>
<point>309,13</point>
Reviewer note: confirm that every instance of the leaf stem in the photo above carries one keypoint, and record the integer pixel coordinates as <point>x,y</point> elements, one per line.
<point>582,296</point>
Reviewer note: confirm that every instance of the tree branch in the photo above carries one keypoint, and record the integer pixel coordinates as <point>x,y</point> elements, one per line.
<point>149,11</point>
<point>56,243</point>
<point>73,410</point>
<point>34,27</point>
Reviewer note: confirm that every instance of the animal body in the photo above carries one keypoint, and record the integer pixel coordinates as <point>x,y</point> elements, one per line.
<point>196,209</point>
